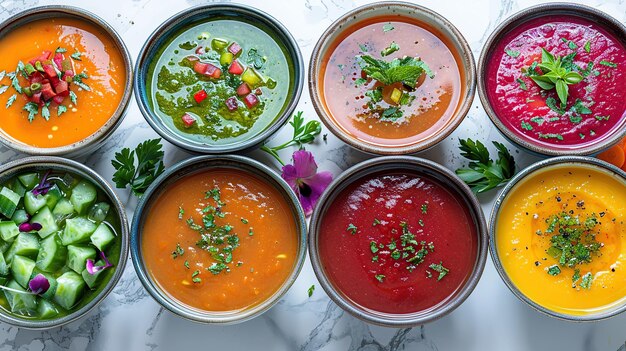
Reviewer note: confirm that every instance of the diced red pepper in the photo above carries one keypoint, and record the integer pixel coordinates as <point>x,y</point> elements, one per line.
<point>188,120</point>
<point>200,50</point>
<point>207,69</point>
<point>62,88</point>
<point>243,89</point>
<point>58,60</point>
<point>234,48</point>
<point>200,95</point>
<point>36,98</point>
<point>35,78</point>
<point>45,55</point>
<point>258,91</point>
<point>251,100</point>
<point>49,71</point>
<point>235,68</point>
<point>47,92</point>
<point>58,99</point>
<point>231,104</point>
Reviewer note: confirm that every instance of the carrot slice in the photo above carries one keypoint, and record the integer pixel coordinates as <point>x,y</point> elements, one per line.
<point>614,155</point>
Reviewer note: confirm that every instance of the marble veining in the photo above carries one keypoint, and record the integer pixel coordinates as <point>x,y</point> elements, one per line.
<point>491,319</point>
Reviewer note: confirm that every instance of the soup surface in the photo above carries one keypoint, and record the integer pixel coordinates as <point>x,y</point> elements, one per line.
<point>561,239</point>
<point>220,240</point>
<point>594,106</point>
<point>398,110</point>
<point>91,56</point>
<point>388,244</point>
<point>220,82</point>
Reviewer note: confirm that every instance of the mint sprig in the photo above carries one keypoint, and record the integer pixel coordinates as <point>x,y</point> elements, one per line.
<point>556,75</point>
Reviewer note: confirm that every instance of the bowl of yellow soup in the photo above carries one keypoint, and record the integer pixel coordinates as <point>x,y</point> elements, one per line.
<point>558,238</point>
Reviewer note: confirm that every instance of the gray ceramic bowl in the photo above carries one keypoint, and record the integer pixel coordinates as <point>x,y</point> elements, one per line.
<point>93,141</point>
<point>399,164</point>
<point>199,164</point>
<point>40,163</point>
<point>542,10</point>
<point>519,177</point>
<point>199,14</point>
<point>400,9</point>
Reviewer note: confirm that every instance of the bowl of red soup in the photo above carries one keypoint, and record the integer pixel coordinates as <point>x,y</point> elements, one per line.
<point>65,81</point>
<point>392,78</point>
<point>384,248</point>
<point>551,79</point>
<point>218,239</point>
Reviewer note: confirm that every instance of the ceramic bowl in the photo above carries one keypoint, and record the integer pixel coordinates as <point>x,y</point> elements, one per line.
<point>543,10</point>
<point>344,24</point>
<point>198,14</point>
<point>398,164</point>
<point>520,177</point>
<point>199,164</point>
<point>42,163</point>
<point>99,137</point>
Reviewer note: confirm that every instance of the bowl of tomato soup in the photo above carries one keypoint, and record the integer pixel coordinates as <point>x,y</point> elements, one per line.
<point>558,237</point>
<point>65,81</point>
<point>392,78</point>
<point>384,248</point>
<point>219,78</point>
<point>218,239</point>
<point>551,78</point>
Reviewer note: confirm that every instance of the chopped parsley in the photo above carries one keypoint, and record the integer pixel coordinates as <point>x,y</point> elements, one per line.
<point>177,252</point>
<point>351,228</point>
<point>608,64</point>
<point>387,27</point>
<point>425,208</point>
<point>76,56</point>
<point>526,125</point>
<point>380,277</point>
<point>554,270</point>
<point>439,268</point>
<point>512,53</point>
<point>311,290</point>
<point>588,47</point>
<point>522,84</point>
<point>393,47</point>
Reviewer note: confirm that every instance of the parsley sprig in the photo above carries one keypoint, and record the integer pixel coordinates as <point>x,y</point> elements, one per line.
<point>303,133</point>
<point>556,75</point>
<point>138,175</point>
<point>482,173</point>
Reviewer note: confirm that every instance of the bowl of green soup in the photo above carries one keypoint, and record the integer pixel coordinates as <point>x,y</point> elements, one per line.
<point>219,78</point>
<point>63,241</point>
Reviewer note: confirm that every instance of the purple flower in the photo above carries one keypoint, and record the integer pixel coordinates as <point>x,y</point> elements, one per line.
<point>39,284</point>
<point>303,178</point>
<point>30,227</point>
<point>43,186</point>
<point>93,269</point>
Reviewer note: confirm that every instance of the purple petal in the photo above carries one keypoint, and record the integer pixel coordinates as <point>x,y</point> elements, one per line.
<point>93,269</point>
<point>44,186</point>
<point>317,184</point>
<point>305,165</point>
<point>290,176</point>
<point>105,259</point>
<point>39,284</point>
<point>29,227</point>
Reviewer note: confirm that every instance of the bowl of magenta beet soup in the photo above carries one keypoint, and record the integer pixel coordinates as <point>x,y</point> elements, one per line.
<point>552,78</point>
<point>384,247</point>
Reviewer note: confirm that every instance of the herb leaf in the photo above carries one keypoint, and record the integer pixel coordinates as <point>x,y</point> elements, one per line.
<point>388,27</point>
<point>76,56</point>
<point>512,53</point>
<point>443,271</point>
<point>11,100</point>
<point>406,70</point>
<point>149,166</point>
<point>311,290</point>
<point>482,173</point>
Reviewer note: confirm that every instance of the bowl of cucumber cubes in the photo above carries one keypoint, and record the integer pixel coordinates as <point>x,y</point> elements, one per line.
<point>63,241</point>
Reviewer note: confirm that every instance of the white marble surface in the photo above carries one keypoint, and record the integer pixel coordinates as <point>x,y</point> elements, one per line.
<point>491,319</point>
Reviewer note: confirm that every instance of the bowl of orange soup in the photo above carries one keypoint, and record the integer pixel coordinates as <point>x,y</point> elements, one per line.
<point>558,238</point>
<point>218,239</point>
<point>65,81</point>
<point>392,78</point>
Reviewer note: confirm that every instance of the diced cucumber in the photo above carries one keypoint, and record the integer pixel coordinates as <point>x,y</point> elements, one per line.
<point>77,257</point>
<point>52,255</point>
<point>22,269</point>
<point>63,209</point>
<point>93,280</point>
<point>18,188</point>
<point>102,237</point>
<point>20,303</point>
<point>29,180</point>
<point>48,224</point>
<point>4,267</point>
<point>46,309</point>
<point>8,231</point>
<point>3,280</point>
<point>77,230</point>
<point>99,211</point>
<point>26,244</point>
<point>8,202</point>
<point>83,196</point>
<point>53,196</point>
<point>33,203</point>
<point>19,217</point>
<point>4,246</point>
<point>67,182</point>
<point>70,288</point>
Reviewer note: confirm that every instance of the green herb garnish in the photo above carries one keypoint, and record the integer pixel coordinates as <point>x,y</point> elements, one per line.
<point>141,174</point>
<point>388,27</point>
<point>352,229</point>
<point>482,173</point>
<point>393,47</point>
<point>302,134</point>
<point>11,100</point>
<point>608,63</point>
<point>380,277</point>
<point>439,268</point>
<point>512,53</point>
<point>526,126</point>
<point>177,252</point>
<point>32,109</point>
<point>557,74</point>
<point>311,290</point>
<point>406,70</point>
<point>76,56</point>
<point>424,208</point>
